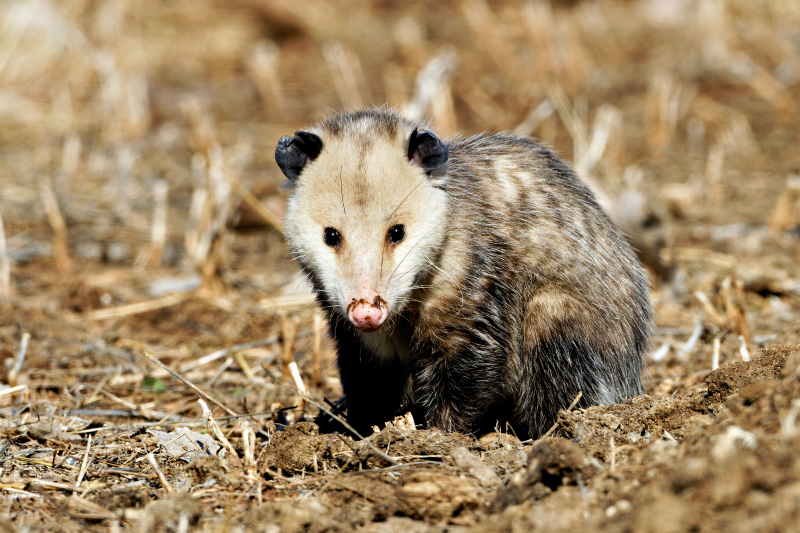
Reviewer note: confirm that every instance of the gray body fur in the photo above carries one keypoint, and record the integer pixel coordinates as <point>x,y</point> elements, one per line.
<point>530,295</point>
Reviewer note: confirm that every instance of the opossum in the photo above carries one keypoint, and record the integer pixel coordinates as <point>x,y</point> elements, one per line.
<point>473,281</point>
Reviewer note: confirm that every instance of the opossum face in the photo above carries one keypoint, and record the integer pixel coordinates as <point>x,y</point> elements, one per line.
<point>365,216</point>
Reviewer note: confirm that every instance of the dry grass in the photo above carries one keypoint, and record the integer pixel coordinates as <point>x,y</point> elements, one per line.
<point>136,162</point>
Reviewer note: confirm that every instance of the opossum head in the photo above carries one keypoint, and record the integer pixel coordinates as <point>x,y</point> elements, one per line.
<point>367,211</point>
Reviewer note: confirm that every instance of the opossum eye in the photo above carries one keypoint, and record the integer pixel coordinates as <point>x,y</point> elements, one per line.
<point>332,237</point>
<point>396,233</point>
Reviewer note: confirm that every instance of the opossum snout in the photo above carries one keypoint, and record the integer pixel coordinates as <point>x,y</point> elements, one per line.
<point>367,316</point>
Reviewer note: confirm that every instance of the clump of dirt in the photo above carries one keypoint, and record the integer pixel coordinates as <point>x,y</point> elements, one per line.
<point>606,430</point>
<point>309,516</point>
<point>427,443</point>
<point>552,462</point>
<point>770,406</point>
<point>122,498</point>
<point>700,461</point>
<point>726,380</point>
<point>738,481</point>
<point>300,448</point>
<point>166,514</point>
<point>214,471</point>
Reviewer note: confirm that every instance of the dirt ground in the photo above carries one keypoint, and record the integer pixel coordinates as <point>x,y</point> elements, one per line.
<point>140,208</point>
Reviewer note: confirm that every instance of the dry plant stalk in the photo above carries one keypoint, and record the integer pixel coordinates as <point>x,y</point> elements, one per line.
<point>444,113</point>
<point>316,348</point>
<point>688,346</point>
<point>248,372</point>
<point>493,36</point>
<point>539,26</point>
<point>432,91</point>
<point>13,390</point>
<point>403,423</point>
<point>199,211</point>
<point>5,266</point>
<point>487,109</point>
<point>718,320</point>
<point>70,157</point>
<point>151,256</point>
<point>786,214</point>
<point>713,176</point>
<point>210,423</point>
<point>662,351</point>
<point>570,408</point>
<point>161,477</point>
<point>731,311</point>
<point>214,177</point>
<point>197,389</point>
<point>84,464</point>
<point>762,82</point>
<point>300,386</point>
<point>142,411</point>
<point>572,119</point>
<point>249,445</point>
<point>219,354</point>
<point>139,307</point>
<point>539,114</point>
<point>59,227</point>
<point>743,351</point>
<point>283,303</point>
<point>668,101</point>
<point>607,124</point>
<point>289,334</point>
<point>744,328</point>
<point>409,36</point>
<point>262,65</point>
<point>17,368</point>
<point>266,213</point>
<point>734,308</point>
<point>789,422</point>
<point>126,159</point>
<point>346,71</point>
<point>737,137</point>
<point>220,189</point>
<point>88,509</point>
<point>210,207</point>
<point>394,86</point>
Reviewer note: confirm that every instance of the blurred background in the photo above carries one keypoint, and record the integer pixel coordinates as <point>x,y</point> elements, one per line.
<point>141,203</point>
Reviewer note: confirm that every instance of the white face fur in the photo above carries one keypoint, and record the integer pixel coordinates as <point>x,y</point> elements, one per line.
<point>365,220</point>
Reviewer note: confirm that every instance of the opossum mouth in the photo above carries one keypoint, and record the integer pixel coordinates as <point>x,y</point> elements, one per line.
<point>367,316</point>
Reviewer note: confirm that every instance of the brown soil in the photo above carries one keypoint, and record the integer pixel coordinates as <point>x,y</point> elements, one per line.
<point>118,117</point>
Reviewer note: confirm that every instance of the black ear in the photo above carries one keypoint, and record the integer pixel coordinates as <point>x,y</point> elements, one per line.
<point>294,153</point>
<point>426,151</point>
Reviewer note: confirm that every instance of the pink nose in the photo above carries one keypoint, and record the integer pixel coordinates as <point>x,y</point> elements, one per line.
<point>367,316</point>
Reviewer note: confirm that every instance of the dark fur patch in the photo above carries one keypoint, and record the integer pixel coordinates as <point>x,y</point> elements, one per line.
<point>382,123</point>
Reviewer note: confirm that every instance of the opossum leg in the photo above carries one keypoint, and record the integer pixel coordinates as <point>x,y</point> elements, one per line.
<point>461,389</point>
<point>559,359</point>
<point>374,387</point>
<point>555,371</point>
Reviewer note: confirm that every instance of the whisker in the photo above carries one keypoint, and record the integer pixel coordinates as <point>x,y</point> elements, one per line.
<point>341,190</point>
<point>406,198</point>
<point>408,252</point>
